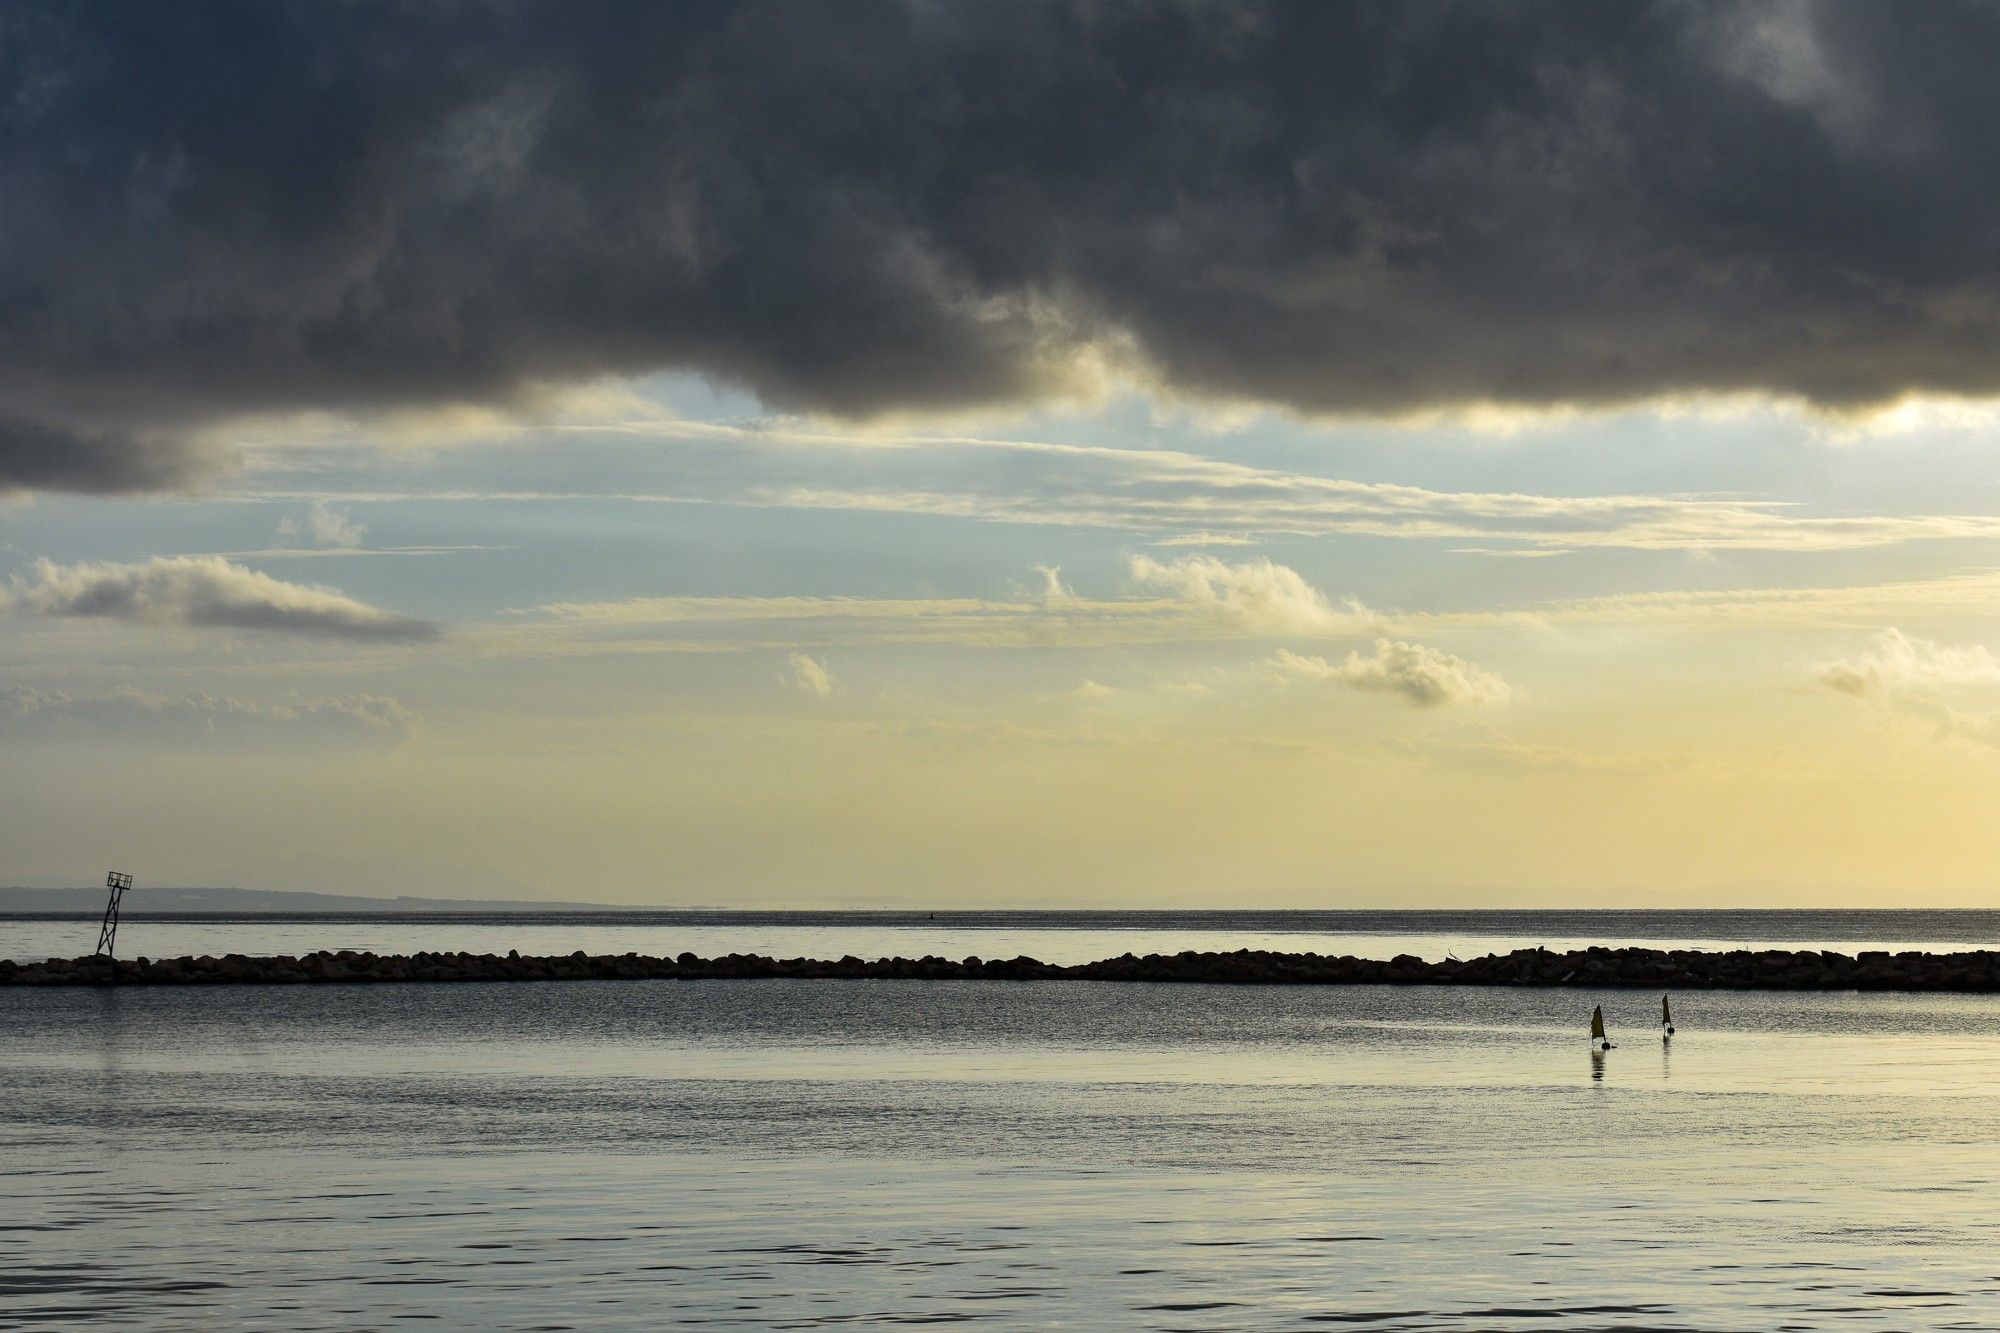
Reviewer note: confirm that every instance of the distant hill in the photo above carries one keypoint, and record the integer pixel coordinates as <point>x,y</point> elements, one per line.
<point>142,901</point>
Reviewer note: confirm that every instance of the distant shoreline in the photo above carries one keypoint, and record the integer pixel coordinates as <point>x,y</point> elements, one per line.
<point>144,901</point>
<point>1597,967</point>
<point>180,902</point>
<point>162,905</point>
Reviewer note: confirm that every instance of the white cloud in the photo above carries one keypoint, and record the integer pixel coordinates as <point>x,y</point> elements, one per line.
<point>1207,539</point>
<point>1911,681</point>
<point>810,675</point>
<point>1424,676</point>
<point>1897,662</point>
<point>207,591</point>
<point>129,713</point>
<point>1256,595</point>
<point>1153,491</point>
<point>1513,552</point>
<point>324,526</point>
<point>1195,603</point>
<point>1951,724</point>
<point>1951,596</point>
<point>330,552</point>
<point>1204,599</point>
<point>1054,591</point>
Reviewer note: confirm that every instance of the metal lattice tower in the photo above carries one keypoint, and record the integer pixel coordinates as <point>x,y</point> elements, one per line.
<point>107,936</point>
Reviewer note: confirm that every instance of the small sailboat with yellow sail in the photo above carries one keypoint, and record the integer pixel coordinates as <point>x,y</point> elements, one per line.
<point>1666,1018</point>
<point>1598,1040</point>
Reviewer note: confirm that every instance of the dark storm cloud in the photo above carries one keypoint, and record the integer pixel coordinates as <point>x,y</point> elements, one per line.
<point>90,457</point>
<point>213,209</point>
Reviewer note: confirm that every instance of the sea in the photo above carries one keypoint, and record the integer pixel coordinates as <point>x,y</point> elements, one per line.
<point>791,1154</point>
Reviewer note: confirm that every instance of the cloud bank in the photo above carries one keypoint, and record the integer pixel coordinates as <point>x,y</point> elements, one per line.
<point>207,591</point>
<point>881,207</point>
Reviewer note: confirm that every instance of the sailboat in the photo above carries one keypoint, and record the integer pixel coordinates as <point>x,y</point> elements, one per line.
<point>1597,1037</point>
<point>1666,1019</point>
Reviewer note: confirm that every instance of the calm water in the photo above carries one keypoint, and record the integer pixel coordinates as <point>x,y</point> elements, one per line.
<point>783,1154</point>
<point>1058,937</point>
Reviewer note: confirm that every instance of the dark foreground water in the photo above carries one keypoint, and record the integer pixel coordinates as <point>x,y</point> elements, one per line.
<point>783,1154</point>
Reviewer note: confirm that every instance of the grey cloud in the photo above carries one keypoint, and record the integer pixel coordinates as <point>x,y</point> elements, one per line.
<point>207,591</point>
<point>94,459</point>
<point>217,208</point>
<point>135,714</point>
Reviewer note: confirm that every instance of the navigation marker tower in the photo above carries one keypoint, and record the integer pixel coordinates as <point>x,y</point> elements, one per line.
<point>107,936</point>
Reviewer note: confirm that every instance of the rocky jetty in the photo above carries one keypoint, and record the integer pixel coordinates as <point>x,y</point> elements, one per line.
<point>1675,969</point>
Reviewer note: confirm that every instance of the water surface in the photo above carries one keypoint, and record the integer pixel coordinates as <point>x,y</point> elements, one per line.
<point>799,1154</point>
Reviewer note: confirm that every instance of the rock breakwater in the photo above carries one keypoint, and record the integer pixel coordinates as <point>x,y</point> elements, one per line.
<point>1597,967</point>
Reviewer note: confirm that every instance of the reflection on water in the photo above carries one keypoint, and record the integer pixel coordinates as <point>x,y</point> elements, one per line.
<point>780,1154</point>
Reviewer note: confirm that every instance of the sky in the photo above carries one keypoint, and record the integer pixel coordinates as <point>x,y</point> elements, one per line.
<point>924,454</point>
